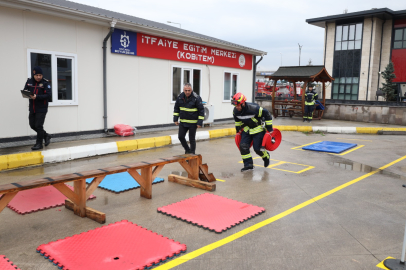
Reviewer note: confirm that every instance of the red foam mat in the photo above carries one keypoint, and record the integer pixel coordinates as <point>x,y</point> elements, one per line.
<point>6,264</point>
<point>33,200</point>
<point>212,212</point>
<point>121,245</point>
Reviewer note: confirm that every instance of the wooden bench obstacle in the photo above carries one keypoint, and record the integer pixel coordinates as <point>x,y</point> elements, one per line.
<point>198,177</point>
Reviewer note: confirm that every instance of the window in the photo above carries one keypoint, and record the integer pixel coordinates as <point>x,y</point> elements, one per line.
<point>348,37</point>
<point>345,88</point>
<point>60,70</point>
<point>230,85</point>
<point>182,75</point>
<point>399,40</point>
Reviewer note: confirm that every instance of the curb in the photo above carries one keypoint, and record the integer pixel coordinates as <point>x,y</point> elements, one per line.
<point>14,161</point>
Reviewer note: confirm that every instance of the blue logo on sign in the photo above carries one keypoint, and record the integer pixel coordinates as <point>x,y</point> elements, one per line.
<point>124,42</point>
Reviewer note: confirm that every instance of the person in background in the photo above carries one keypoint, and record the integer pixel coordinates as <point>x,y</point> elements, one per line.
<point>189,108</point>
<point>38,105</point>
<point>310,98</point>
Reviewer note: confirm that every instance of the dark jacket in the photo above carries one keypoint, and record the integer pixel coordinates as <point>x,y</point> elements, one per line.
<point>310,97</point>
<point>250,118</point>
<point>189,110</point>
<point>44,94</point>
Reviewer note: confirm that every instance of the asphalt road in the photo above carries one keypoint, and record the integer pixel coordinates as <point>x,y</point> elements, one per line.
<point>323,211</point>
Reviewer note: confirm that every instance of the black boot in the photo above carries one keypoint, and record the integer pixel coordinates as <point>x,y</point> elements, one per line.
<point>250,167</point>
<point>47,139</point>
<point>266,162</point>
<point>37,146</point>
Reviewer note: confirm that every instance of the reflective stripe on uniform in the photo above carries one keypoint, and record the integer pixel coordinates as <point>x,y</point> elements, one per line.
<point>237,124</point>
<point>246,156</point>
<point>268,123</point>
<point>188,109</point>
<point>246,129</point>
<point>201,117</point>
<point>260,112</point>
<point>188,121</point>
<point>176,114</point>
<point>256,130</point>
<point>309,103</point>
<point>255,120</point>
<point>265,155</point>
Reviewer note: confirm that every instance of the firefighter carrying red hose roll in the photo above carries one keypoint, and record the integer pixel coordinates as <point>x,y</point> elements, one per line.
<point>249,119</point>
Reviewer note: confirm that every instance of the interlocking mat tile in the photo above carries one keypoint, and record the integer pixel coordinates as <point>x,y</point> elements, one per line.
<point>330,147</point>
<point>212,212</point>
<point>6,264</point>
<point>120,182</point>
<point>33,200</point>
<point>121,245</point>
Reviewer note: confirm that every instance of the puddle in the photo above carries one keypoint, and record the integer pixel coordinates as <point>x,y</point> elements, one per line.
<point>226,175</point>
<point>359,167</point>
<point>256,175</point>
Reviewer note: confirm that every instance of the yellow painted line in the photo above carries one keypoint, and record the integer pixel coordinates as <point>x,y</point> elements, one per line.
<point>346,152</point>
<point>381,265</point>
<point>305,145</point>
<point>284,162</point>
<point>354,140</point>
<point>276,164</point>
<point>194,254</point>
<point>220,180</point>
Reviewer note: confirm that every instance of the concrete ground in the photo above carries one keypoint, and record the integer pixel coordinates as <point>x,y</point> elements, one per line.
<point>323,211</point>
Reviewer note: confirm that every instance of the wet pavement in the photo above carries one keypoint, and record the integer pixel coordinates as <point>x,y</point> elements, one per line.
<point>323,211</point>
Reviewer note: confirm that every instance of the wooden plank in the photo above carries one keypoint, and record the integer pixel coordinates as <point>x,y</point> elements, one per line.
<point>146,173</point>
<point>207,176</point>
<point>65,190</point>
<point>5,199</point>
<point>137,177</point>
<point>156,171</point>
<point>191,182</point>
<point>195,166</point>
<point>91,213</point>
<point>93,185</point>
<point>79,187</point>
<point>186,166</point>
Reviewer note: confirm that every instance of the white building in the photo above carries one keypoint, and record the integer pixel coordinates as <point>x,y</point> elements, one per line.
<point>146,64</point>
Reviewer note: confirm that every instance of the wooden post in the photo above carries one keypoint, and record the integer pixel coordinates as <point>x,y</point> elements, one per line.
<point>5,199</point>
<point>294,89</point>
<point>79,187</point>
<point>274,111</point>
<point>324,93</point>
<point>194,164</point>
<point>146,191</point>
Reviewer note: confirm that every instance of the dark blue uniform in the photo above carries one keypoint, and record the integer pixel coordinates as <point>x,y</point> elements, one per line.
<point>38,107</point>
<point>250,119</point>
<point>190,112</point>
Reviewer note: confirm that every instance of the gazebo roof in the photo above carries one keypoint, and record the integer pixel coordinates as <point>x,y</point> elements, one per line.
<point>302,73</point>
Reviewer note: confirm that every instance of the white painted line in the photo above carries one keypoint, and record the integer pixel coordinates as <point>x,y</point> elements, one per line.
<point>105,148</point>
<point>202,135</point>
<point>322,129</point>
<point>56,155</point>
<point>82,151</point>
<point>349,130</point>
<point>334,129</point>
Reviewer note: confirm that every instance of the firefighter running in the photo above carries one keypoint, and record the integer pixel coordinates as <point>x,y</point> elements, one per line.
<point>310,99</point>
<point>248,119</point>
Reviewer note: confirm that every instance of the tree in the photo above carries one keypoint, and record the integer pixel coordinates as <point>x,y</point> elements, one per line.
<point>310,62</point>
<point>388,87</point>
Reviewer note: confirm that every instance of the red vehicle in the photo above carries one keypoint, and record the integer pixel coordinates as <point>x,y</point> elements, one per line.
<point>265,89</point>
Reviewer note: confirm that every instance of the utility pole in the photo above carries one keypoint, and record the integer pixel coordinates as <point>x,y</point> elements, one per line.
<point>300,50</point>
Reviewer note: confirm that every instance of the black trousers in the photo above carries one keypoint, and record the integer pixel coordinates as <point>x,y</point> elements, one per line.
<point>37,124</point>
<point>245,145</point>
<point>308,114</point>
<point>192,137</point>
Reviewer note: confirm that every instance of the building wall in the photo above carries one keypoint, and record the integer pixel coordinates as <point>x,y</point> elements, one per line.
<point>386,48</point>
<point>329,54</point>
<point>375,55</point>
<point>366,42</point>
<point>139,88</point>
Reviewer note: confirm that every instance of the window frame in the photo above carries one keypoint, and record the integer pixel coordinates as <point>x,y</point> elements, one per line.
<point>231,84</point>
<point>54,83</point>
<point>182,77</point>
<point>347,39</point>
<point>403,40</point>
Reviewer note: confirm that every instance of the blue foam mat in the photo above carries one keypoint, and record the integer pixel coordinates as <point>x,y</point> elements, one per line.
<point>330,147</point>
<point>120,182</point>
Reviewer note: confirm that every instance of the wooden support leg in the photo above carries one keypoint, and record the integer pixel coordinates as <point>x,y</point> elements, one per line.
<point>90,212</point>
<point>146,173</point>
<point>195,168</point>
<point>93,185</point>
<point>5,199</point>
<point>79,187</point>
<point>156,171</point>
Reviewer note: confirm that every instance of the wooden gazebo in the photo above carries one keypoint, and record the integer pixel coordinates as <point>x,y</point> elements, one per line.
<point>304,74</point>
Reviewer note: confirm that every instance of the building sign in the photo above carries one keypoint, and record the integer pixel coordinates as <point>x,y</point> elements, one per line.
<point>126,42</point>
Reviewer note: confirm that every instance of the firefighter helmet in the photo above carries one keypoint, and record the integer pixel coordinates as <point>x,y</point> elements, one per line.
<point>238,99</point>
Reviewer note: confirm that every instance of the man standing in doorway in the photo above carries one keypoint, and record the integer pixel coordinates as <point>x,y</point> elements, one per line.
<point>38,105</point>
<point>310,99</point>
<point>189,108</point>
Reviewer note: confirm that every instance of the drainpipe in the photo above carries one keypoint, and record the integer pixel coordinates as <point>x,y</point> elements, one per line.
<point>112,24</point>
<point>325,44</point>
<point>254,75</point>
<point>370,52</point>
<point>380,58</point>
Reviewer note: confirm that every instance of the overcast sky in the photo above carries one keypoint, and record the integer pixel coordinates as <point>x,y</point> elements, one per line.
<point>275,27</point>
